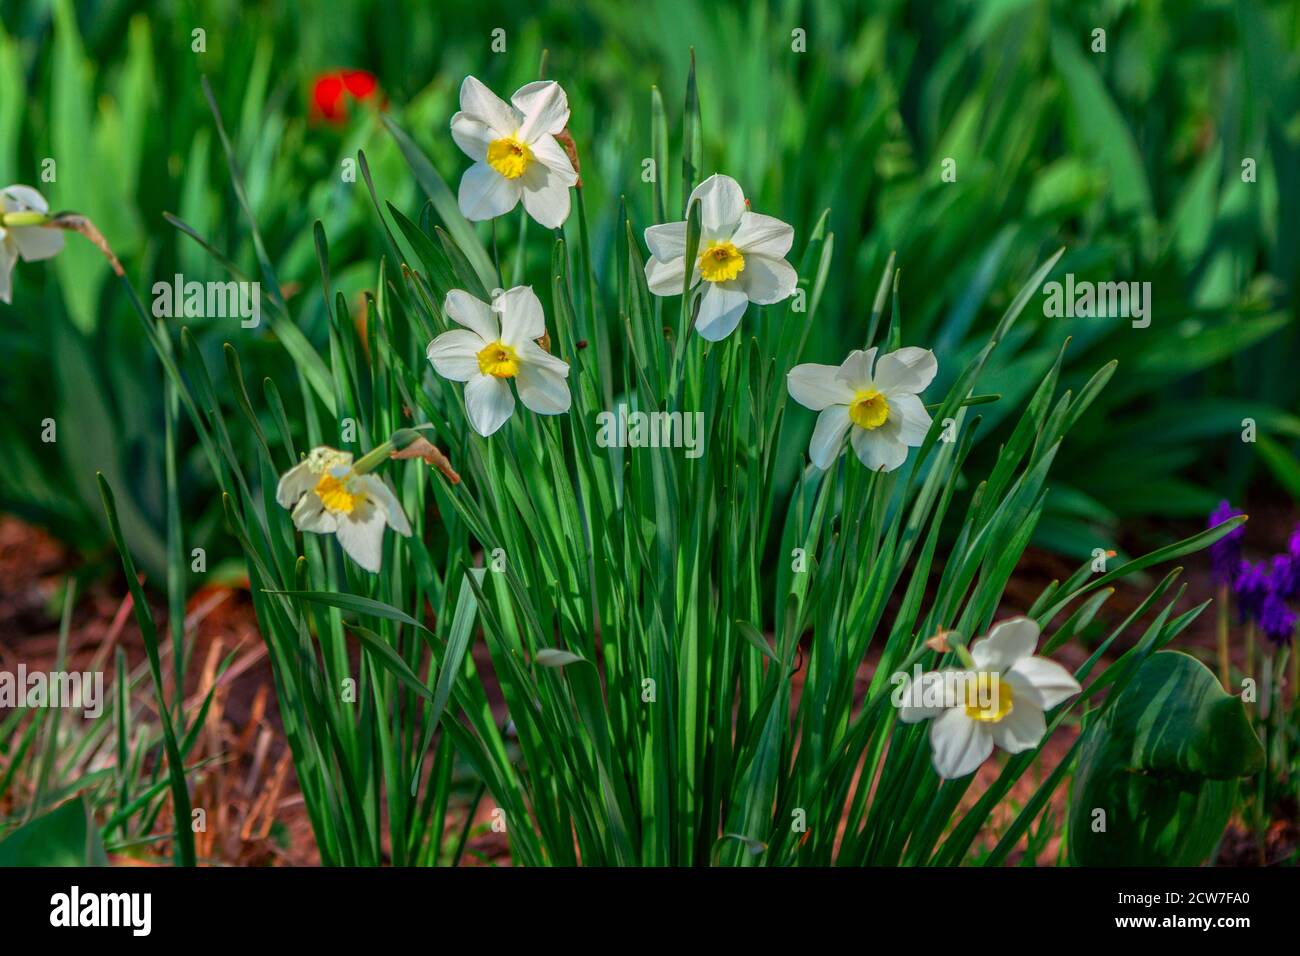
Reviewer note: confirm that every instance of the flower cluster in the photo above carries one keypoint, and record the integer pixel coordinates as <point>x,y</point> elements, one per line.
<point>1264,590</point>
<point>522,152</point>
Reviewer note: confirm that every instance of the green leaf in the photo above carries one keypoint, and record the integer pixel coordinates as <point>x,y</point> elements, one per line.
<point>1157,775</point>
<point>355,604</point>
<point>383,654</point>
<point>445,204</point>
<point>66,836</point>
<point>1281,463</point>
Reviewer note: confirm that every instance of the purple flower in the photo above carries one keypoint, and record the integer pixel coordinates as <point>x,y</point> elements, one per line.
<point>1250,586</point>
<point>1276,620</point>
<point>1287,566</point>
<point>1285,577</point>
<point>1225,554</point>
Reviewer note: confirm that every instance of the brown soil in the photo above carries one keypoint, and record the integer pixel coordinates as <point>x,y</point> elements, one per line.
<point>256,812</point>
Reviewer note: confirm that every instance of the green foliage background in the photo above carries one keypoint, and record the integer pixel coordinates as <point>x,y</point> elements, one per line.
<point>1132,158</point>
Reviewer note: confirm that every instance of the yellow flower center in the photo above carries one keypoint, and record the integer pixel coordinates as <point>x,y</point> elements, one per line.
<point>499,360</point>
<point>509,156</point>
<point>990,700</point>
<point>721,261</point>
<point>869,409</point>
<point>334,495</point>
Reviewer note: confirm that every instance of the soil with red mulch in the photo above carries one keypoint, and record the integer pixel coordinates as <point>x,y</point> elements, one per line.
<point>33,568</point>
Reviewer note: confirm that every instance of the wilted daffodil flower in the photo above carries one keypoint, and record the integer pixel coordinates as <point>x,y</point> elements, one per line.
<point>515,152</point>
<point>878,406</point>
<point>998,698</point>
<point>741,257</point>
<point>498,343</point>
<point>23,213</point>
<point>331,495</point>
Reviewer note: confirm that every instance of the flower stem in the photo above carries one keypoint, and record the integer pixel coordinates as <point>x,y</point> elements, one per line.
<point>1250,650</point>
<point>397,441</point>
<point>1293,676</point>
<point>1221,631</point>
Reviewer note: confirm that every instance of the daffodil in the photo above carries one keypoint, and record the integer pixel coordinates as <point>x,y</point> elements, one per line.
<point>515,152</point>
<point>879,406</point>
<point>740,259</point>
<point>499,343</point>
<point>999,698</point>
<point>22,235</point>
<point>329,495</point>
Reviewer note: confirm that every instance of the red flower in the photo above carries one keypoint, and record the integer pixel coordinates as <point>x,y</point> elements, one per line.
<point>359,83</point>
<point>330,92</point>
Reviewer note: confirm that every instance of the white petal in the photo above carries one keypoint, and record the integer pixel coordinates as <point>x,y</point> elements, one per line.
<point>828,436</point>
<point>855,371</point>
<point>667,242</point>
<point>546,195</point>
<point>878,449</point>
<point>472,136</point>
<point>1007,642</point>
<point>1043,681</point>
<point>294,483</point>
<point>488,108</point>
<point>763,236</point>
<point>530,353</point>
<point>486,194</point>
<point>907,370</point>
<point>721,307</point>
<point>665,278</point>
<point>310,515</point>
<point>362,535</point>
<point>8,256</point>
<point>384,496</point>
<point>521,315</point>
<point>473,313</point>
<point>911,420</point>
<point>489,403</point>
<point>958,744</point>
<point>454,354</point>
<point>552,155</point>
<point>815,386</point>
<point>36,242</point>
<point>721,206</point>
<point>542,390</point>
<point>1020,730</point>
<point>915,693</point>
<point>545,108</point>
<point>767,280</point>
<point>23,199</point>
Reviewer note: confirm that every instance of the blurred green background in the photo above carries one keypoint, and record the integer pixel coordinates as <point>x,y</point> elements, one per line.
<point>1132,158</point>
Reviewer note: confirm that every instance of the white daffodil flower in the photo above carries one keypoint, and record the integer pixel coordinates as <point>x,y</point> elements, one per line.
<point>1000,699</point>
<point>879,405</point>
<point>497,343</point>
<point>328,496</point>
<point>515,153</point>
<point>741,257</point>
<point>29,242</point>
